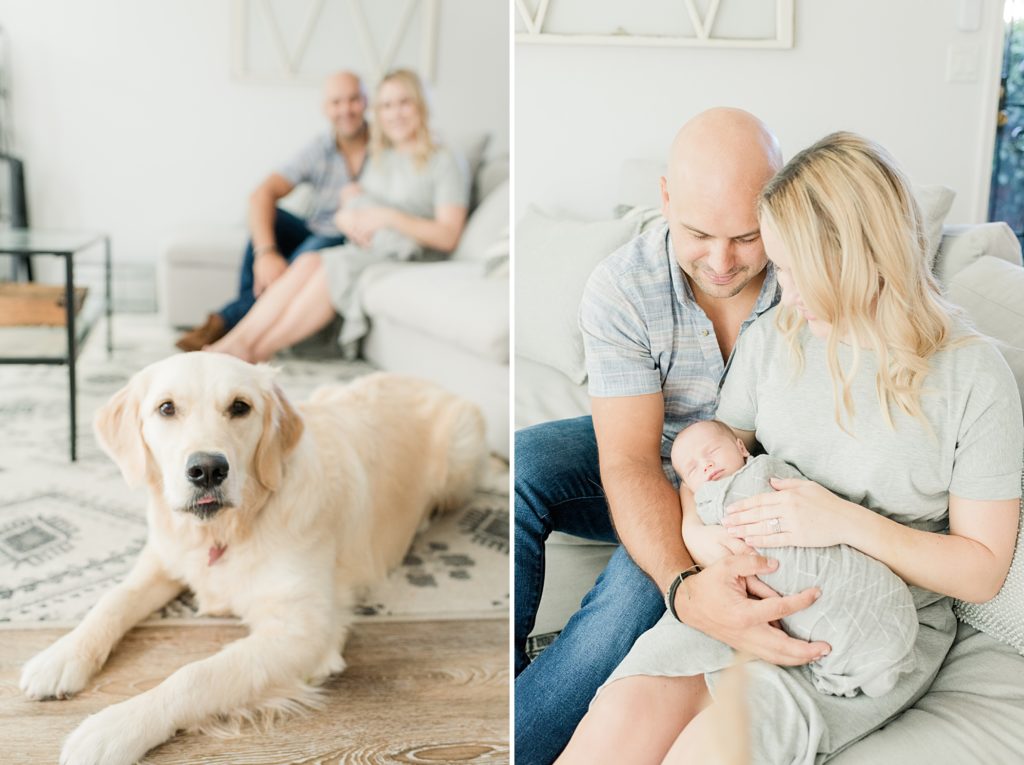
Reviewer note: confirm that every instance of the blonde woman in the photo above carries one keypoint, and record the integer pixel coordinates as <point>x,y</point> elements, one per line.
<point>412,201</point>
<point>909,429</point>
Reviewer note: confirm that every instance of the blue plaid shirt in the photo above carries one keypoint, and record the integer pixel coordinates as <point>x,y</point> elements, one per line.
<point>321,165</point>
<point>643,332</point>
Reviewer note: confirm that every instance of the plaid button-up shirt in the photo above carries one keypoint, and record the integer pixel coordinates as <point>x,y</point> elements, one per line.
<point>643,332</point>
<point>320,164</point>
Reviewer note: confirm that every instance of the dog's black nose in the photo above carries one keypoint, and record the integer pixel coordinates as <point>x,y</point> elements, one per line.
<point>206,470</point>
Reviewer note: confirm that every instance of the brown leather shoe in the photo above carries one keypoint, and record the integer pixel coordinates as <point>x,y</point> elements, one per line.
<point>210,332</point>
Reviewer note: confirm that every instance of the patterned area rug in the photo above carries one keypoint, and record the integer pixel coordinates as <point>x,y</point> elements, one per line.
<point>69,531</point>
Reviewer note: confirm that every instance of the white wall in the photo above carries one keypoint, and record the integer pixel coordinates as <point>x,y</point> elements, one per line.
<point>130,121</point>
<point>876,67</point>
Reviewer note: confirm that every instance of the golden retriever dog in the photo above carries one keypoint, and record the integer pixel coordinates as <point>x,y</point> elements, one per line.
<point>274,513</point>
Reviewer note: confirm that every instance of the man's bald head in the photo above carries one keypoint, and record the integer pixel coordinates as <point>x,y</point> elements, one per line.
<point>343,81</point>
<point>719,162</point>
<point>345,104</point>
<point>724,147</point>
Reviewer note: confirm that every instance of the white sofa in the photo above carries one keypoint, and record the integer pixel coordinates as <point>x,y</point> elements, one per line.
<point>447,321</point>
<point>980,267</point>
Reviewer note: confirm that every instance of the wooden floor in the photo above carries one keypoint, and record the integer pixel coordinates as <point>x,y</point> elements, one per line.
<point>422,692</point>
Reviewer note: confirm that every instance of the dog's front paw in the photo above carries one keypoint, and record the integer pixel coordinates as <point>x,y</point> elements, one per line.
<point>119,735</point>
<point>62,670</point>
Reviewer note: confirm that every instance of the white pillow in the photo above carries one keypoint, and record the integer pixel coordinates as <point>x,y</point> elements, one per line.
<point>484,226</point>
<point>646,218</point>
<point>468,149</point>
<point>554,258</point>
<point>989,290</point>
<point>934,202</point>
<point>1003,616</point>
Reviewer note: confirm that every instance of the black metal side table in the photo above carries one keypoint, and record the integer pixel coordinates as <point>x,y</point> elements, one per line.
<point>62,244</point>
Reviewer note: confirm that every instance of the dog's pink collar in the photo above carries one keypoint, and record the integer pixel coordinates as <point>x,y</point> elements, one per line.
<point>215,552</point>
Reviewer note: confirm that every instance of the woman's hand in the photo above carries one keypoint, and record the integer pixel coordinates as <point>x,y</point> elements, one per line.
<point>349,192</point>
<point>798,513</point>
<point>371,219</point>
<point>361,224</point>
<point>707,544</point>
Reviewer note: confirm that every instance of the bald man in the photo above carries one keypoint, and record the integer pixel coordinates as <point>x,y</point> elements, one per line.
<point>660,318</point>
<point>328,163</point>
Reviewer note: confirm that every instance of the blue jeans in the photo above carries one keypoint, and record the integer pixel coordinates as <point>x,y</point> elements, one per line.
<point>558,488</point>
<point>293,238</point>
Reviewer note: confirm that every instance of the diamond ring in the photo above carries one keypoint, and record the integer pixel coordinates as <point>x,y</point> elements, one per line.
<point>775,525</point>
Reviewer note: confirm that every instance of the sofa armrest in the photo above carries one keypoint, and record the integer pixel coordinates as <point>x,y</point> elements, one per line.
<point>198,271</point>
<point>962,245</point>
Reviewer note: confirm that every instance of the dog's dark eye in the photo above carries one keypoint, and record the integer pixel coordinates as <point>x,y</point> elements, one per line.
<point>167,409</point>
<point>239,408</point>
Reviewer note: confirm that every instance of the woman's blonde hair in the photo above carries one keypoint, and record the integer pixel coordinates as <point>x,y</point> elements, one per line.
<point>425,143</point>
<point>846,214</point>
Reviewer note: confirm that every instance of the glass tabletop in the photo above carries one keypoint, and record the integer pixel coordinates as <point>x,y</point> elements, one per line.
<point>27,241</point>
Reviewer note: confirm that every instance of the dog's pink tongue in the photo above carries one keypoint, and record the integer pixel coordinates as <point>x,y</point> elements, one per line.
<point>215,552</point>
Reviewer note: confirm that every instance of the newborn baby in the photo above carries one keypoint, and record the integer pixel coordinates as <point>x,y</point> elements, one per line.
<point>386,242</point>
<point>865,612</point>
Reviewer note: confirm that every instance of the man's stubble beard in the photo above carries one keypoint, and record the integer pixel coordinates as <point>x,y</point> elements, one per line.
<point>721,291</point>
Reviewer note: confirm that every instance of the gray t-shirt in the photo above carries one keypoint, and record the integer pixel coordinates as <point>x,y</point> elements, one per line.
<point>970,447</point>
<point>394,179</point>
<point>321,165</point>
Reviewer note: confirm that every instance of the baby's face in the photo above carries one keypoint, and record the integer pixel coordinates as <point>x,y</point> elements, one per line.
<point>703,452</point>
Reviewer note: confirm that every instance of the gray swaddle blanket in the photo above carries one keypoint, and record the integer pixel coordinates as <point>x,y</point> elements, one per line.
<point>386,242</point>
<point>865,612</point>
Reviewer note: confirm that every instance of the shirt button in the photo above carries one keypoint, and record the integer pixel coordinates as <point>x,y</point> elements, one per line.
<point>704,332</point>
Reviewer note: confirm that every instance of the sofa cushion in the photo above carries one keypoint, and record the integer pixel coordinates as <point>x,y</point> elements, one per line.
<point>964,244</point>
<point>492,173</point>
<point>554,257</point>
<point>487,226</point>
<point>451,300</point>
<point>990,291</point>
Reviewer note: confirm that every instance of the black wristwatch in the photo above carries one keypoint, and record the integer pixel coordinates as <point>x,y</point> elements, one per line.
<point>670,593</point>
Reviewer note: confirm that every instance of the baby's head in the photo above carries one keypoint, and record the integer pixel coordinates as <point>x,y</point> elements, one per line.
<point>706,451</point>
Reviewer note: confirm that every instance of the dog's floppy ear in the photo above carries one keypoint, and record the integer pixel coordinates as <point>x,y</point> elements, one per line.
<point>118,430</point>
<point>282,428</point>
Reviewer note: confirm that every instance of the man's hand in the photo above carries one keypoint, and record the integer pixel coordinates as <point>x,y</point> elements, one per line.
<point>715,602</point>
<point>267,267</point>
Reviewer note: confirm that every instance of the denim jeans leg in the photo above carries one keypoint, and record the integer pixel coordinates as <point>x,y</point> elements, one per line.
<point>557,488</point>
<point>314,243</point>
<point>553,693</point>
<point>289,233</point>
